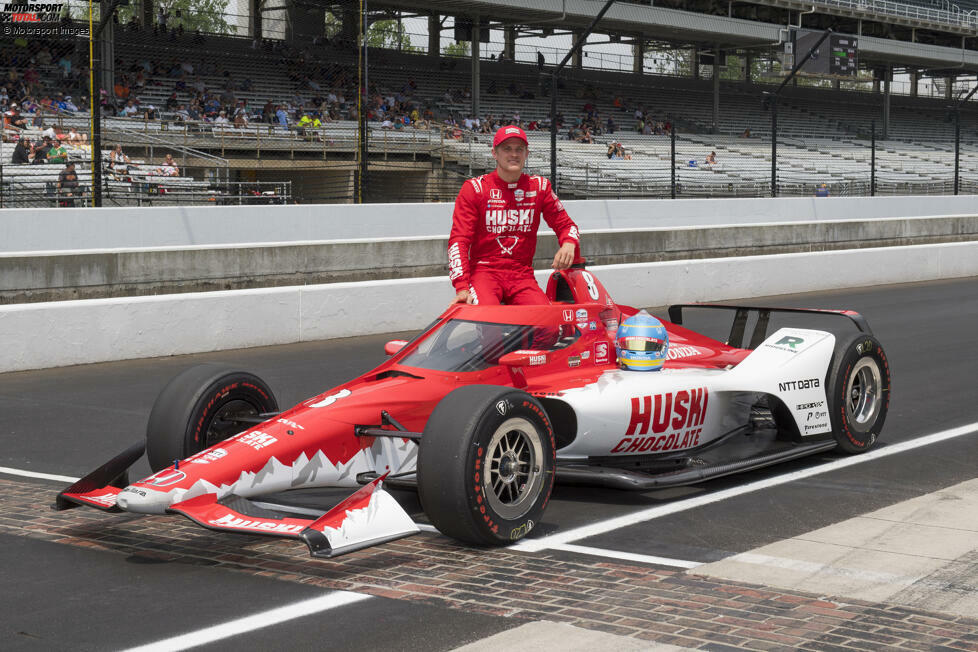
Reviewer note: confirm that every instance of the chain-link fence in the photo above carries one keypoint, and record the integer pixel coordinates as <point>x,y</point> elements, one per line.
<point>285,105</point>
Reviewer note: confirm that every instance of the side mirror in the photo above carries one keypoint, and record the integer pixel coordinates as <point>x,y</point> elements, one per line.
<point>524,358</point>
<point>394,346</point>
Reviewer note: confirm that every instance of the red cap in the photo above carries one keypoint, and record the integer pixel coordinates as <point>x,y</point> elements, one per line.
<point>505,133</point>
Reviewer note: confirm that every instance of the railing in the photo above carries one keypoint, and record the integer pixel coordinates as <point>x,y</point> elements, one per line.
<point>954,17</point>
<point>138,184</point>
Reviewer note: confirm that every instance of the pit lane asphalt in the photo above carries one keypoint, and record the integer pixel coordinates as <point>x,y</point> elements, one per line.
<point>67,421</point>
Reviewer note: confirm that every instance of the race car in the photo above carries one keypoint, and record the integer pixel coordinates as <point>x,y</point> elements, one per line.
<point>490,405</point>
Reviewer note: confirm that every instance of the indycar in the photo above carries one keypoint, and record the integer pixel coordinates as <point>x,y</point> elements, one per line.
<point>486,408</point>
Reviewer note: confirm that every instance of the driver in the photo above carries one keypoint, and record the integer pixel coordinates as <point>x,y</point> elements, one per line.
<point>494,229</point>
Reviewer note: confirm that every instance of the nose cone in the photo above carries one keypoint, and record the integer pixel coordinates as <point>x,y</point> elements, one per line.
<point>145,501</point>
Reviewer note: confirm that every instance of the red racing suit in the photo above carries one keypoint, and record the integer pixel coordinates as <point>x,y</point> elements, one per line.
<point>494,237</point>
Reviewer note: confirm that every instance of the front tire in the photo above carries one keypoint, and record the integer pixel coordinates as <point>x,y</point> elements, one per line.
<point>486,464</point>
<point>197,408</point>
<point>858,392</point>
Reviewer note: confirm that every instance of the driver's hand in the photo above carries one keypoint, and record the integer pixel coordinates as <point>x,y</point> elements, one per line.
<point>463,296</point>
<point>565,256</point>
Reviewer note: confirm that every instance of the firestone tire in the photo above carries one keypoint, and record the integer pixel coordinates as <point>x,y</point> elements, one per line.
<point>191,413</point>
<point>486,464</point>
<point>858,388</point>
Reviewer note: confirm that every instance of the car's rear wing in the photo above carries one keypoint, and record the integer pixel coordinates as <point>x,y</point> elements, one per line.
<point>759,334</point>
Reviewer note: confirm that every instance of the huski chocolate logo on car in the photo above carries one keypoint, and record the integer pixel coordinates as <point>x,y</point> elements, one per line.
<point>259,526</point>
<point>677,415</point>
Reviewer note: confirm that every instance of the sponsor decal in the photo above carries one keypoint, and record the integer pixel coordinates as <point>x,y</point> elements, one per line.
<point>559,205</point>
<point>809,406</point>
<point>332,398</point>
<point>290,423</point>
<point>256,439</point>
<point>568,315</point>
<point>792,385</point>
<point>574,361</point>
<point>133,490</point>
<point>521,531</point>
<point>670,442</point>
<point>531,193</point>
<point>537,358</point>
<point>500,220</point>
<point>105,499</point>
<point>593,325</point>
<point>669,411</point>
<point>231,521</point>
<point>208,456</point>
<point>507,243</point>
<point>502,407</point>
<point>585,355</point>
<point>574,233</point>
<point>518,194</point>
<point>582,325</point>
<point>790,343</point>
<point>602,353</point>
<point>454,262</point>
<point>581,315</point>
<point>512,130</point>
<point>495,193</point>
<point>165,478</point>
<point>815,426</point>
<point>682,351</point>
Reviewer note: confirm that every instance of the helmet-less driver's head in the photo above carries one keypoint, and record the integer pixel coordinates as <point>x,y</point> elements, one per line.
<point>641,343</point>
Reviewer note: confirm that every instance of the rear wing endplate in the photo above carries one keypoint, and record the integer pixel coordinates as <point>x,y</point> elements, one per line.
<point>742,313</point>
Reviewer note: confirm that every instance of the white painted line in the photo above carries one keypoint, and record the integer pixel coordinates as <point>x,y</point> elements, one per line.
<point>603,527</point>
<point>251,623</point>
<point>34,474</point>
<point>627,556</point>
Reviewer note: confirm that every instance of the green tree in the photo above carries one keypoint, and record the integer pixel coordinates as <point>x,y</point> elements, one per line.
<point>205,15</point>
<point>390,34</point>
<point>459,49</point>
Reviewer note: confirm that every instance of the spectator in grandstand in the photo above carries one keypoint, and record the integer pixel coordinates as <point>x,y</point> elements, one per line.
<point>21,155</point>
<point>169,167</point>
<point>118,161</point>
<point>613,150</point>
<point>75,138</point>
<point>490,260</point>
<point>68,185</point>
<point>711,159</point>
<point>58,153</point>
<point>221,118</point>
<point>822,191</point>
<point>282,116</point>
<point>122,89</point>
<point>172,102</point>
<point>4,97</point>
<point>241,115</point>
<point>130,109</point>
<point>66,104</point>
<point>64,64</point>
<point>610,127</point>
<point>387,124</point>
<point>746,133</point>
<point>41,153</point>
<point>15,119</point>
<point>517,120</point>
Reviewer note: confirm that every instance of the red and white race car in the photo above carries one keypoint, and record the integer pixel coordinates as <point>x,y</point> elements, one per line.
<point>485,408</point>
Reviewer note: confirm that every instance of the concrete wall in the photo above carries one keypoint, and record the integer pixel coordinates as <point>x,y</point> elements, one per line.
<point>52,229</point>
<point>75,332</point>
<point>108,273</point>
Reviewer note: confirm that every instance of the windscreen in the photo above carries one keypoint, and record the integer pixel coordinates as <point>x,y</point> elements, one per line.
<point>462,345</point>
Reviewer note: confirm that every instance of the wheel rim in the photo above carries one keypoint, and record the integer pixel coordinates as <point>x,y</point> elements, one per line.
<point>863,394</point>
<point>513,472</point>
<point>224,425</point>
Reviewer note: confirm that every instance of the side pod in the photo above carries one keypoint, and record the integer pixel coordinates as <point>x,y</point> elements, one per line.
<point>100,487</point>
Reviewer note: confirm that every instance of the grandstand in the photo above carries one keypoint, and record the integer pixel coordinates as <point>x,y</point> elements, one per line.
<point>251,152</point>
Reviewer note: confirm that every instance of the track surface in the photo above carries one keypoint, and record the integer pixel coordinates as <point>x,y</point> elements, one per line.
<point>67,421</point>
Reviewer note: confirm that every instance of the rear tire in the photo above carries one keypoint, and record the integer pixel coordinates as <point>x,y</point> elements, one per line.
<point>192,412</point>
<point>486,464</point>
<point>858,388</point>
